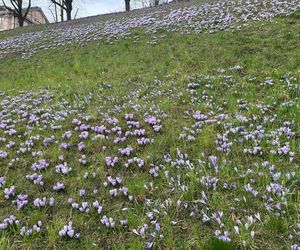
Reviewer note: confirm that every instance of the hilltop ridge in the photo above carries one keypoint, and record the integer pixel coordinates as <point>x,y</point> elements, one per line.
<point>200,17</point>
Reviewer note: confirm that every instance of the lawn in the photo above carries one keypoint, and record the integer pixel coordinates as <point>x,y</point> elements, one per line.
<point>169,141</point>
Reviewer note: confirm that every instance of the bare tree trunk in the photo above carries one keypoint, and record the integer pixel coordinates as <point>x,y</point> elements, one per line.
<point>69,9</point>
<point>61,14</point>
<point>127,5</point>
<point>69,14</point>
<point>65,5</point>
<point>21,21</point>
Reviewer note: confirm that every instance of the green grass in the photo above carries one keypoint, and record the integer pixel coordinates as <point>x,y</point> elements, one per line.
<point>267,49</point>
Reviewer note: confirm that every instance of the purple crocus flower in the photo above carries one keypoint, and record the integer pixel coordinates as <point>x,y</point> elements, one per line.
<point>213,160</point>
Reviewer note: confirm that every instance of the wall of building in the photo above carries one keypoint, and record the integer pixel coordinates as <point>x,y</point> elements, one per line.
<point>8,21</point>
<point>1,23</point>
<point>36,17</point>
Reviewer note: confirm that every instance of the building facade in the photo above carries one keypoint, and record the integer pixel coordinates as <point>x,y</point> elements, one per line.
<point>9,21</point>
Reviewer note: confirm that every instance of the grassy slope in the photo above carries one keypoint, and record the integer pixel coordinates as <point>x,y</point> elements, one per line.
<point>259,48</point>
<point>264,49</point>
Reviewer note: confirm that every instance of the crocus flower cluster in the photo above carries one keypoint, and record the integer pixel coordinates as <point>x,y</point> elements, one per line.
<point>10,221</point>
<point>27,232</point>
<point>43,202</point>
<point>108,222</point>
<point>63,168</point>
<point>59,186</point>
<point>21,201</point>
<point>111,161</point>
<point>68,231</point>
<point>36,179</point>
<point>42,164</point>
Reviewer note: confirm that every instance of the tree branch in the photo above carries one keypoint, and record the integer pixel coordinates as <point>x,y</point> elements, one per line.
<point>28,8</point>
<point>8,8</point>
<point>59,4</point>
<point>14,4</point>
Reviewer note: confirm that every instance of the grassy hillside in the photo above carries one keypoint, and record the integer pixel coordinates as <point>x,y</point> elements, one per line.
<point>165,140</point>
<point>259,48</point>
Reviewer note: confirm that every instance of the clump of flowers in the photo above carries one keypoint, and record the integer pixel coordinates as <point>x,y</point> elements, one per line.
<point>63,168</point>
<point>144,141</point>
<point>126,151</point>
<point>140,162</point>
<point>68,231</point>
<point>9,192</point>
<point>11,220</point>
<point>108,222</point>
<point>59,186</point>
<point>21,201</point>
<point>43,202</point>
<point>111,161</point>
<point>113,181</point>
<point>40,165</point>
<point>3,154</point>
<point>37,179</point>
<point>97,206</point>
<point>36,228</point>
<point>2,181</point>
